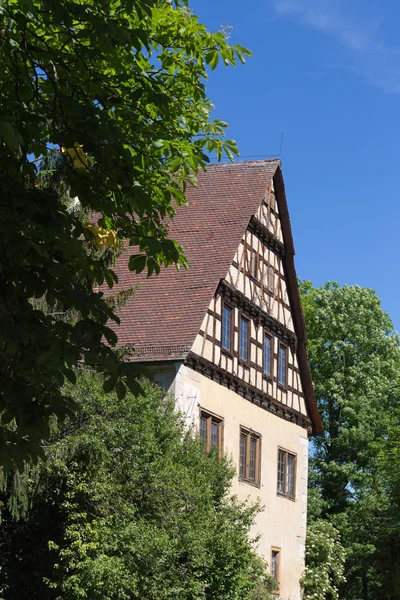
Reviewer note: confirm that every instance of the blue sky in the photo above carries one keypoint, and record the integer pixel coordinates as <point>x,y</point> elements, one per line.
<point>327,72</point>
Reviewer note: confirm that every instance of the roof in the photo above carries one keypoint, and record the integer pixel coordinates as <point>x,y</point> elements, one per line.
<point>165,315</point>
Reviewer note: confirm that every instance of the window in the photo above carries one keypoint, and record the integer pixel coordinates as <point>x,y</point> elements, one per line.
<point>282,365</point>
<point>227,313</point>
<point>286,474</point>
<point>244,339</point>
<point>267,355</point>
<point>254,261</point>
<point>276,566</point>
<point>250,456</point>
<point>211,430</point>
<point>270,279</point>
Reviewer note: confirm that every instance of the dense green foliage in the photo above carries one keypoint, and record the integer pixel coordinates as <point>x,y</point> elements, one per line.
<point>116,87</point>
<point>128,505</point>
<point>325,562</point>
<point>355,362</point>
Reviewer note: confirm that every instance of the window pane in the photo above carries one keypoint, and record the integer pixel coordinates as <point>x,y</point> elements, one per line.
<point>242,462</point>
<point>281,472</point>
<point>282,365</point>
<point>290,475</point>
<point>203,428</point>
<point>226,328</point>
<point>267,355</point>
<point>214,433</point>
<point>275,565</point>
<point>243,339</point>
<point>252,461</point>
<point>254,264</point>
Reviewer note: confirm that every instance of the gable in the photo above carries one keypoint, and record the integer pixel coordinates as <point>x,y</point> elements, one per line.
<point>255,290</point>
<point>234,205</point>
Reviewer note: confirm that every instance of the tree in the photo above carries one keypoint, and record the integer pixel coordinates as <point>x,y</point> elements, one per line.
<point>325,558</point>
<point>118,88</point>
<point>129,505</point>
<point>355,362</point>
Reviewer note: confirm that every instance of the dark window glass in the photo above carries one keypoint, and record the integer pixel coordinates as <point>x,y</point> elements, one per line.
<point>281,472</point>
<point>286,484</point>
<point>254,264</point>
<point>243,339</point>
<point>243,444</point>
<point>250,456</point>
<point>214,433</point>
<point>211,430</point>
<point>252,465</point>
<point>282,365</point>
<point>203,428</point>
<point>226,327</point>
<point>275,565</point>
<point>290,475</point>
<point>267,355</point>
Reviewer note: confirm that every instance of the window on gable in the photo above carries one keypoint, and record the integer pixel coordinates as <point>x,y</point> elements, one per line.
<point>282,365</point>
<point>254,263</point>
<point>211,430</point>
<point>227,315</point>
<point>276,566</point>
<point>267,355</point>
<point>286,474</point>
<point>270,279</point>
<point>249,456</point>
<point>244,338</point>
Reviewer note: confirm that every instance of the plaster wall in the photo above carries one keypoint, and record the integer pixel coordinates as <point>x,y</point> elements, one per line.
<point>282,522</point>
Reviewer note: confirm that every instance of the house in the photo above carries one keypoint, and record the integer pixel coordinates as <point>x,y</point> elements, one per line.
<point>227,338</point>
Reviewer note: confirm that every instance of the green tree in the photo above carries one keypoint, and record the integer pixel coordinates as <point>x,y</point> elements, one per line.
<point>355,362</point>
<point>118,88</point>
<point>325,558</point>
<point>128,505</point>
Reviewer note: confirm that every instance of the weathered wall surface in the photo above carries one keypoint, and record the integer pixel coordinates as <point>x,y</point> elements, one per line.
<point>282,523</point>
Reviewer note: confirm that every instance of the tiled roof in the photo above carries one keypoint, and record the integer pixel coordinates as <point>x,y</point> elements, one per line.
<point>164,317</point>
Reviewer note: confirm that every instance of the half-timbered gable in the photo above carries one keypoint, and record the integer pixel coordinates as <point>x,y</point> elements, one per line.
<point>260,348</point>
<point>227,338</point>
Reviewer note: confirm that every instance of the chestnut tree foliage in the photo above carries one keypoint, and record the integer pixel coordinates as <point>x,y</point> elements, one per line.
<point>117,89</point>
<point>127,506</point>
<point>354,485</point>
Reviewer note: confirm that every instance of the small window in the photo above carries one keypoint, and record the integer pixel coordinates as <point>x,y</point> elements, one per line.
<point>244,339</point>
<point>270,279</point>
<point>267,355</point>
<point>286,474</point>
<point>227,313</point>
<point>211,430</point>
<point>254,263</point>
<point>282,365</point>
<point>276,566</point>
<point>250,456</point>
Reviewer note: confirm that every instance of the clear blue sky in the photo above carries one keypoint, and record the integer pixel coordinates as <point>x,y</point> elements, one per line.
<point>327,72</point>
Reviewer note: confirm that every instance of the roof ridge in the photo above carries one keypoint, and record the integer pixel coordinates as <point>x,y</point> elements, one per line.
<point>245,163</point>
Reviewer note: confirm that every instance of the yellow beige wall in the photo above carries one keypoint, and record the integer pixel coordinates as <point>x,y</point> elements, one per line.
<point>282,522</point>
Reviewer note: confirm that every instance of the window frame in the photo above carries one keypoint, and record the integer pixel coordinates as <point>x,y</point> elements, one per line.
<point>210,419</point>
<point>277,551</point>
<point>230,307</point>
<point>284,493</point>
<point>249,434</point>
<point>245,362</point>
<point>284,385</point>
<point>269,376</point>
<point>254,271</point>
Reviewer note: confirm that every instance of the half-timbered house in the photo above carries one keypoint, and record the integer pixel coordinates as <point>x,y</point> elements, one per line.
<point>227,339</point>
